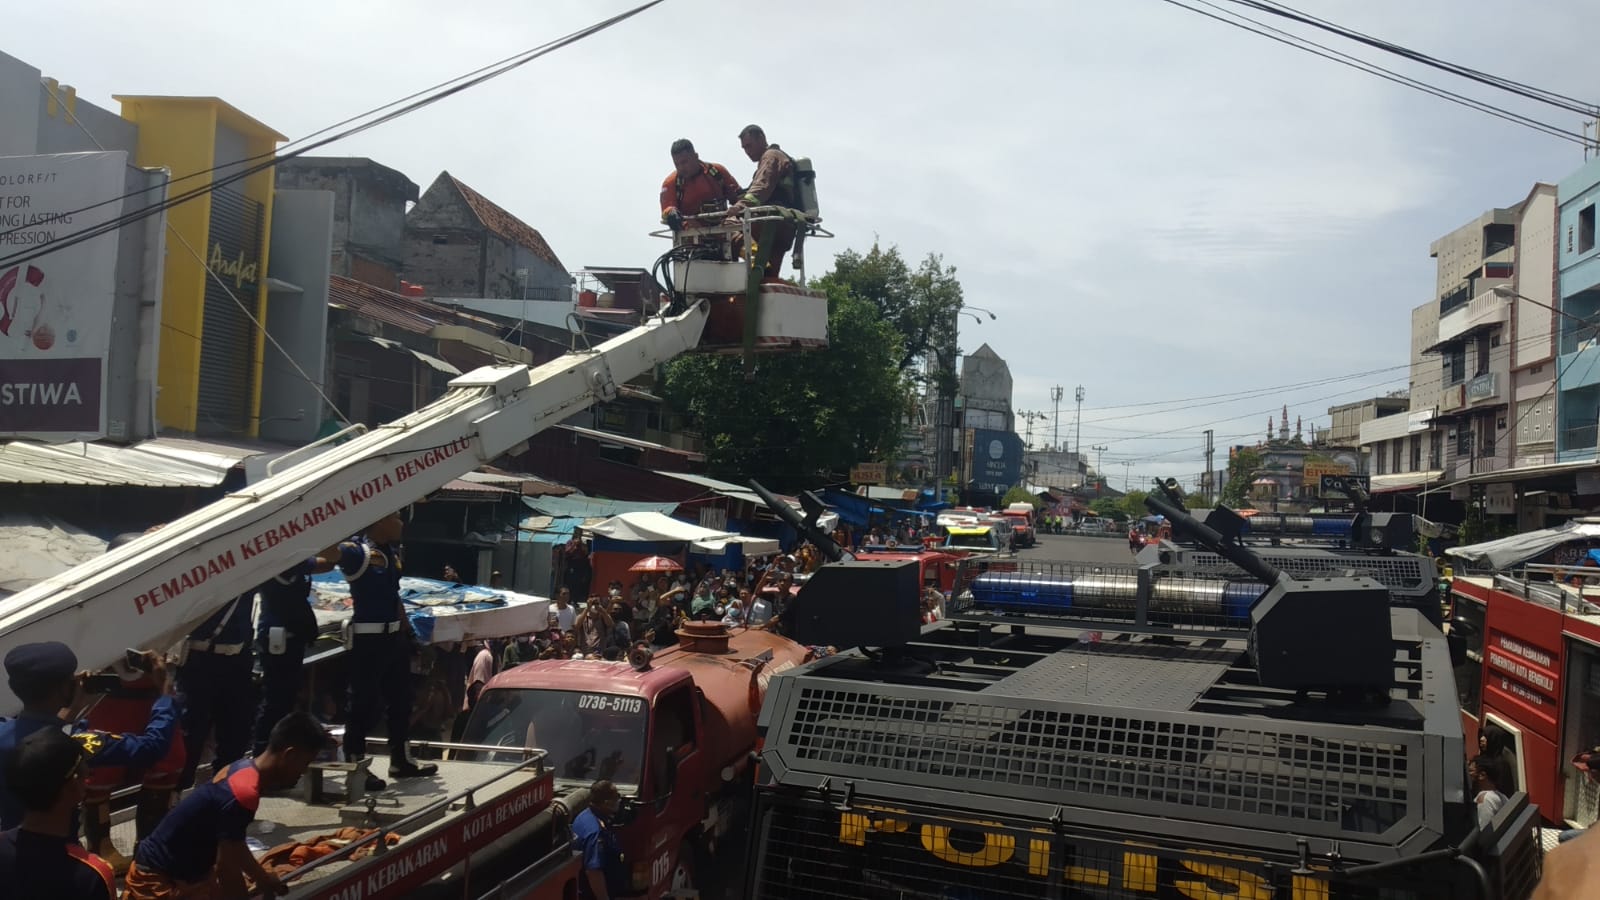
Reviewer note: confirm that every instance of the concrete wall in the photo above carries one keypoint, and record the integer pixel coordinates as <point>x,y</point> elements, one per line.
<point>369,213</point>
<point>136,313</point>
<point>546,281</point>
<point>62,124</point>
<point>449,269</point>
<point>1533,334</point>
<point>19,107</point>
<point>1580,269</point>
<point>1426,383</point>
<point>985,380</point>
<point>302,226</point>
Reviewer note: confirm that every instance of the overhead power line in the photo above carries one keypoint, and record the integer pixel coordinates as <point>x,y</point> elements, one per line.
<point>1551,98</point>
<point>1248,24</point>
<point>267,161</point>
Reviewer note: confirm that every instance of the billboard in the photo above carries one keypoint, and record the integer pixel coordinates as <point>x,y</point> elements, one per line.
<point>996,460</point>
<point>56,310</point>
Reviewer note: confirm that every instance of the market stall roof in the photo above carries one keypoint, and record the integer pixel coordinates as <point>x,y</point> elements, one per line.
<point>159,462</point>
<point>655,527</point>
<point>1519,548</point>
<point>39,547</point>
<point>441,612</point>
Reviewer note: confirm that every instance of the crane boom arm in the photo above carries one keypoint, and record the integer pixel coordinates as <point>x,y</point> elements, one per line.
<point>150,591</point>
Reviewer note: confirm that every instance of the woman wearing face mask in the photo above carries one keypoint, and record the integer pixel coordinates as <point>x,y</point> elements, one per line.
<point>734,617</point>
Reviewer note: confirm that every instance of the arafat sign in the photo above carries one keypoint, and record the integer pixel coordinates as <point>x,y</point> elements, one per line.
<point>56,309</point>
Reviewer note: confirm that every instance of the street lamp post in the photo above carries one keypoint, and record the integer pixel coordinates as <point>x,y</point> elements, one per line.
<point>946,354</point>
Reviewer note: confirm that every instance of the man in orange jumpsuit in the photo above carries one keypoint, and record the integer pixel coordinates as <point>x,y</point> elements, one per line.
<point>773,184</point>
<point>694,187</point>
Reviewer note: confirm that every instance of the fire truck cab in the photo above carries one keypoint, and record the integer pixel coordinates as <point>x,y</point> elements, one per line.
<point>1526,650</point>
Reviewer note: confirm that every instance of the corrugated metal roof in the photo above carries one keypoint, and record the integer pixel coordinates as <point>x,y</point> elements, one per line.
<point>625,441</point>
<point>160,462</point>
<point>406,313</point>
<point>463,486</point>
<point>505,224</point>
<point>705,481</point>
<point>592,507</point>
<point>528,485</point>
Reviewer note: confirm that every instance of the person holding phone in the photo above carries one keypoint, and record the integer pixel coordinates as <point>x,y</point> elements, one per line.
<point>45,677</point>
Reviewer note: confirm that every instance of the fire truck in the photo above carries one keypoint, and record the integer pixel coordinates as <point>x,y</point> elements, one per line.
<point>495,817</point>
<point>1527,659</point>
<point>1131,732</point>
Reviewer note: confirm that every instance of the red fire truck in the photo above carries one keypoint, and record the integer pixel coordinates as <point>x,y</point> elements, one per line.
<point>1526,649</point>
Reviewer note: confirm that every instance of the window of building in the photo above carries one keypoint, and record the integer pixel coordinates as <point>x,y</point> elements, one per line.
<point>440,239</point>
<point>1498,237</point>
<point>1436,450</point>
<point>1416,453</point>
<point>1464,441</point>
<point>1488,438</point>
<point>1455,364</point>
<point>1586,229</point>
<point>1397,447</point>
<point>1380,459</point>
<point>1482,355</point>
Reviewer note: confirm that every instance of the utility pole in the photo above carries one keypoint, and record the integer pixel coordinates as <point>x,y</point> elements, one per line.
<point>1210,477</point>
<point>1077,442</point>
<point>1098,450</point>
<point>1055,428</point>
<point>1126,467</point>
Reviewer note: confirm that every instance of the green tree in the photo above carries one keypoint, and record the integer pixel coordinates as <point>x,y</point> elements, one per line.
<point>1020,495</point>
<point>805,418</point>
<point>1133,504</point>
<point>1241,468</point>
<point>1108,507</point>
<point>921,304</point>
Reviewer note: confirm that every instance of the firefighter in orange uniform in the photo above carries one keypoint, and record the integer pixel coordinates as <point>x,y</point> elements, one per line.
<point>694,187</point>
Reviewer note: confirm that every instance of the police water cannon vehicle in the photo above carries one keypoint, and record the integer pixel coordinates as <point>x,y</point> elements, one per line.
<point>1303,744</point>
<point>1377,545</point>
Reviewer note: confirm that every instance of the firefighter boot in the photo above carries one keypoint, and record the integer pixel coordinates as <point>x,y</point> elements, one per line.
<point>97,834</point>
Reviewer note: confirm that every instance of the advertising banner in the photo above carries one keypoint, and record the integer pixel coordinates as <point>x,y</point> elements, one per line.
<point>996,460</point>
<point>56,310</point>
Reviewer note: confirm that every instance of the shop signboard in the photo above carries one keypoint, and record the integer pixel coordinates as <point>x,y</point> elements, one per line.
<point>869,473</point>
<point>1335,487</point>
<point>996,460</point>
<point>56,309</point>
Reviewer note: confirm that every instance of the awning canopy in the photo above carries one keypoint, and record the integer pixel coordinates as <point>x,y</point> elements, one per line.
<point>826,522</point>
<point>1405,481</point>
<point>653,527</point>
<point>432,362</point>
<point>159,462</point>
<point>1519,548</point>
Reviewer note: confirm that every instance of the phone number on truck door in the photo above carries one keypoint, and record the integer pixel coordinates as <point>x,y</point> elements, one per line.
<point>610,703</point>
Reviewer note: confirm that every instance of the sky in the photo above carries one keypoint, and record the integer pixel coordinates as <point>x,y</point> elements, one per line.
<point>1156,206</point>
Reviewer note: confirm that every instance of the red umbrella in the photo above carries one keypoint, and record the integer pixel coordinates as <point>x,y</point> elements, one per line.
<point>655,564</point>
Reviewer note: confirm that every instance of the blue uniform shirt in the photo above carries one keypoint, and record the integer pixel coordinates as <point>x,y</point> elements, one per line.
<point>374,580</point>
<point>601,852</point>
<point>286,603</point>
<point>134,751</point>
<point>234,622</point>
<point>184,846</point>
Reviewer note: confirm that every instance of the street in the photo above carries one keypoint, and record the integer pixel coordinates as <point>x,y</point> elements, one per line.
<point>1069,548</point>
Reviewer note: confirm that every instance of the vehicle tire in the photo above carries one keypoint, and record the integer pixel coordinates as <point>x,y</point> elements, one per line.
<point>691,859</point>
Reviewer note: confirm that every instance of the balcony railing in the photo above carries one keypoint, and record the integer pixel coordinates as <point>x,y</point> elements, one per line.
<point>1486,310</point>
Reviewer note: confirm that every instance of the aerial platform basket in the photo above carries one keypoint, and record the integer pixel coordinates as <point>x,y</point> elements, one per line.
<point>749,315</point>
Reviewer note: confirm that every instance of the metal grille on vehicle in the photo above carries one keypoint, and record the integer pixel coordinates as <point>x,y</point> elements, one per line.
<point>1336,782</point>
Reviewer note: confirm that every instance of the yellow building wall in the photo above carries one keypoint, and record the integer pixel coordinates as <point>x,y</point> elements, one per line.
<point>180,134</point>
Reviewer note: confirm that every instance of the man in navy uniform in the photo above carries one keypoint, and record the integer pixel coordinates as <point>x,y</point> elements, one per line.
<point>44,677</point>
<point>286,627</point>
<point>216,687</point>
<point>380,648</point>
